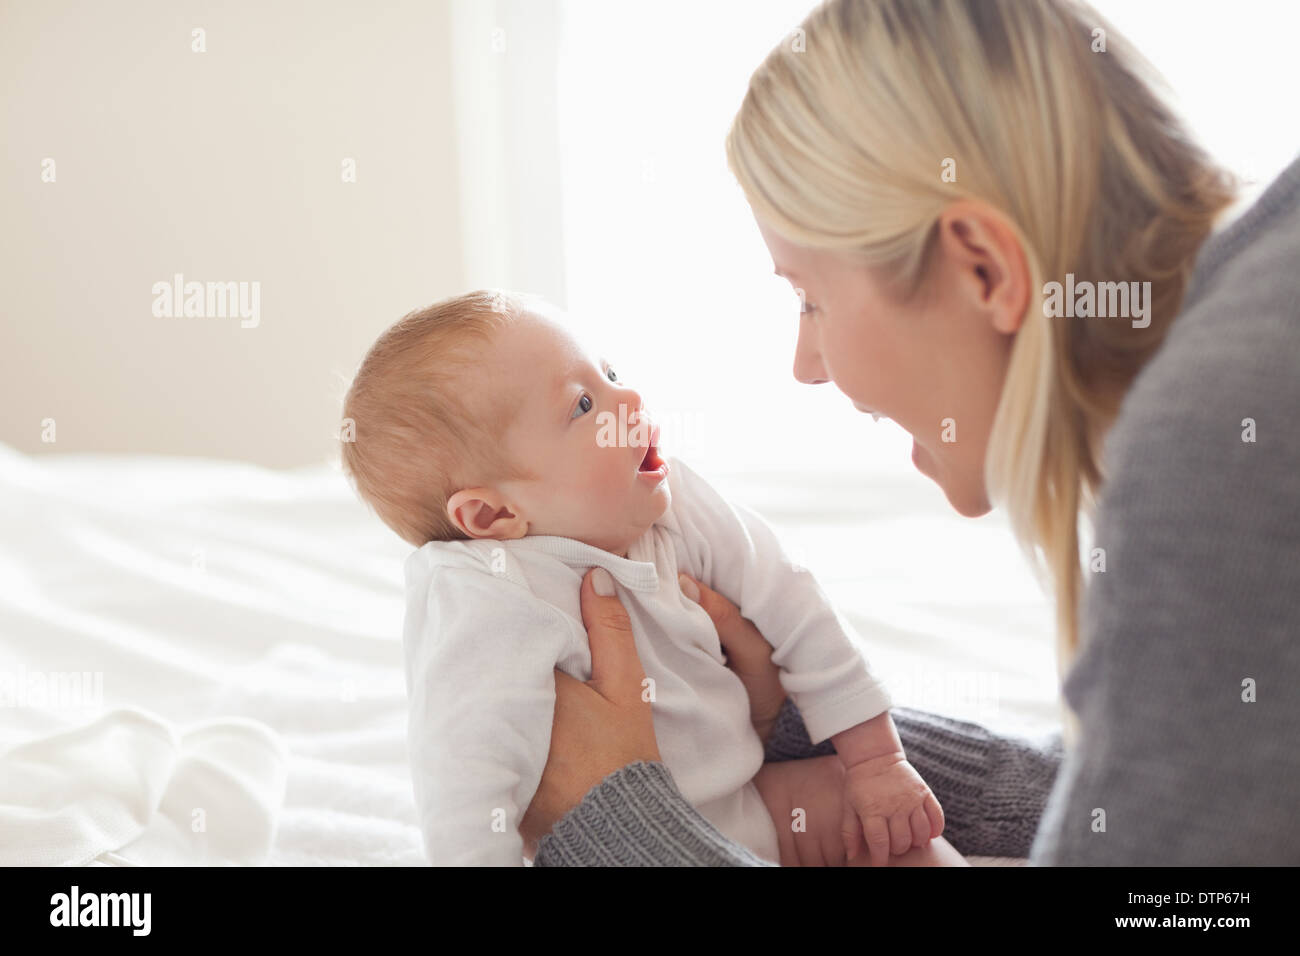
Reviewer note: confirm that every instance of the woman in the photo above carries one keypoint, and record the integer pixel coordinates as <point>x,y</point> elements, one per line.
<point>931,176</point>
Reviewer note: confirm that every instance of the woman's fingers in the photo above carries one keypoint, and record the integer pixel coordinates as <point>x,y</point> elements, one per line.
<point>617,673</point>
<point>745,646</point>
<point>599,725</point>
<point>748,653</point>
<point>616,670</point>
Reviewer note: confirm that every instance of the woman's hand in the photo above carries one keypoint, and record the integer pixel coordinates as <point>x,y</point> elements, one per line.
<point>748,654</point>
<point>600,725</point>
<point>603,724</point>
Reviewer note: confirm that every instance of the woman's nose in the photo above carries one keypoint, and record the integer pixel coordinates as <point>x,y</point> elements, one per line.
<point>808,366</point>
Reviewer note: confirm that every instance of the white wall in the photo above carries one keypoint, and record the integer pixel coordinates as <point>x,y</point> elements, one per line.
<point>566,147</point>
<point>224,165</point>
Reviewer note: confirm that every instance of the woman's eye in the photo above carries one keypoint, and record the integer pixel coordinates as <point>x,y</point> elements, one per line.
<point>584,406</point>
<point>611,374</point>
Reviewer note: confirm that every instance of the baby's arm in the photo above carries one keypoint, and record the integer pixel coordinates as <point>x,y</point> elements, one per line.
<point>868,740</point>
<point>733,550</point>
<point>885,799</point>
<point>481,654</point>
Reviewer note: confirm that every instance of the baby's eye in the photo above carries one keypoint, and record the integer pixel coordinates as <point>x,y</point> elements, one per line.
<point>584,406</point>
<point>611,374</point>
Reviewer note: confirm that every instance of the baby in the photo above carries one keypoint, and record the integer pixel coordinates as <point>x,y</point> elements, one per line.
<point>483,434</point>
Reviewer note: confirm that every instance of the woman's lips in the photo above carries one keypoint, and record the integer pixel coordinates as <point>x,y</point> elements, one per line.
<point>875,415</point>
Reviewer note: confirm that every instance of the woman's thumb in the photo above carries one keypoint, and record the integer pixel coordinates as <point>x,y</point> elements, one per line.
<point>615,666</point>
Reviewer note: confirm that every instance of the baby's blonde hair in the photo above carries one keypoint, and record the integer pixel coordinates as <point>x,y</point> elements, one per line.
<point>1043,111</point>
<point>410,439</point>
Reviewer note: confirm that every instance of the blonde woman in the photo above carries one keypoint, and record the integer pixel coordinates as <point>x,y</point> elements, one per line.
<point>958,190</point>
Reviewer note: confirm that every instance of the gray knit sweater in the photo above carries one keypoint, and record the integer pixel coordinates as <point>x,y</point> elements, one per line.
<point>992,789</point>
<point>1186,684</point>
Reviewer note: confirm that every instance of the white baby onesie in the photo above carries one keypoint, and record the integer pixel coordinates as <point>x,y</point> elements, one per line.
<point>488,621</point>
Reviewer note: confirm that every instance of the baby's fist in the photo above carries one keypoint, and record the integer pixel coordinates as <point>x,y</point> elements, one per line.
<point>886,800</point>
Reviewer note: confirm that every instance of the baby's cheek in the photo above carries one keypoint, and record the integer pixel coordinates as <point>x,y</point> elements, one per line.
<point>612,478</point>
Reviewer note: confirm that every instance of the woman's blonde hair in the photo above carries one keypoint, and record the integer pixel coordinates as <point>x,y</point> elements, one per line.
<point>1042,111</point>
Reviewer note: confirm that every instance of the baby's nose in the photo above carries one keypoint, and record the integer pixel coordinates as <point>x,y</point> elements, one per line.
<point>635,407</point>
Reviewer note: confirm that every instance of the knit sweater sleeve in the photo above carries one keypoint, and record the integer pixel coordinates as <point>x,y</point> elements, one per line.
<point>992,788</point>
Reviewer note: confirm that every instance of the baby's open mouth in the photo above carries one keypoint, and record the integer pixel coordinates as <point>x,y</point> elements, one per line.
<point>652,461</point>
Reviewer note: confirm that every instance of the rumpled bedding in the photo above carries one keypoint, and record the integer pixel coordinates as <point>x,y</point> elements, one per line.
<point>201,660</point>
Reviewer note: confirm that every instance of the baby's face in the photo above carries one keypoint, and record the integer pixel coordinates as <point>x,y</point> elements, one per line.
<point>584,433</point>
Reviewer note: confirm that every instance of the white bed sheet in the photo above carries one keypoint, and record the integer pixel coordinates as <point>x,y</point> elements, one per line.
<point>204,589</point>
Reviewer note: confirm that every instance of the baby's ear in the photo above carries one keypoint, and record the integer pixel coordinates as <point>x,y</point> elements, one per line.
<point>482,513</point>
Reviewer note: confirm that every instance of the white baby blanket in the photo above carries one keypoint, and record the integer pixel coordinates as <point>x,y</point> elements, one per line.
<point>127,789</point>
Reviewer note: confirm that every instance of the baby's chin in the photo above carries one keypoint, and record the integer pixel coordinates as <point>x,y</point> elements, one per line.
<point>660,500</point>
<point>667,501</point>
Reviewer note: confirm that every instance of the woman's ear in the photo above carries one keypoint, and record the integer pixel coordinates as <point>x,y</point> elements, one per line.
<point>990,261</point>
<point>484,513</point>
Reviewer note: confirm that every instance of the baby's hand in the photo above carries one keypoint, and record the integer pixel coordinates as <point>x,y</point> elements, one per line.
<point>886,799</point>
